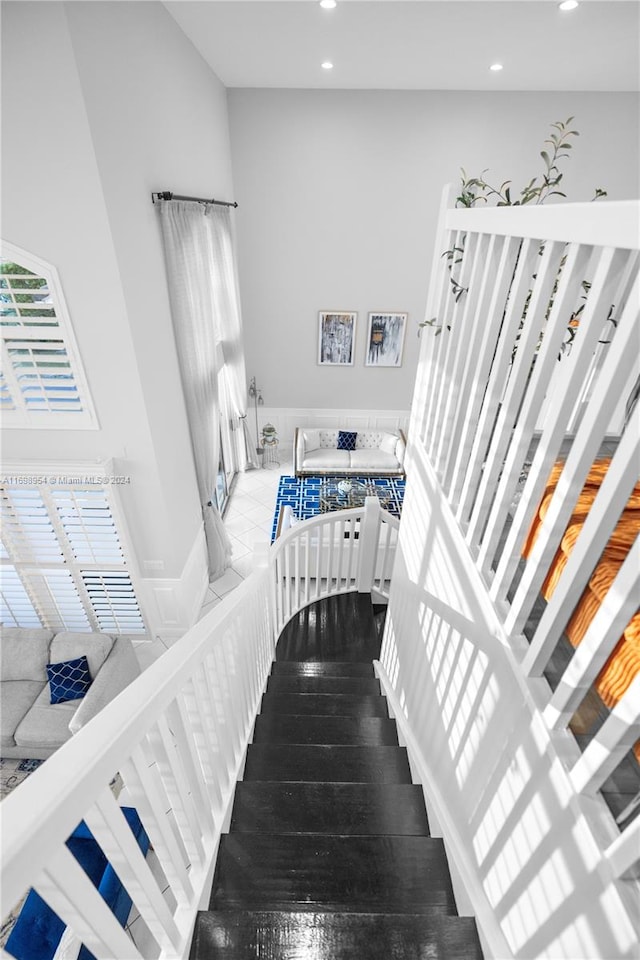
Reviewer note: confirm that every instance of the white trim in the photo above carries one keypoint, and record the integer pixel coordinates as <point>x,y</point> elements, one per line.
<point>610,224</point>
<point>172,605</point>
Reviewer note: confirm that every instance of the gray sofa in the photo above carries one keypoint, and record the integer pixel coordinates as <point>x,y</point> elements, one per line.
<point>377,453</point>
<point>31,726</point>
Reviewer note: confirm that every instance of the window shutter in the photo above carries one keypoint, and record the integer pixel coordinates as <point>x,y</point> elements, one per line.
<point>42,383</point>
<point>62,561</point>
<point>16,608</point>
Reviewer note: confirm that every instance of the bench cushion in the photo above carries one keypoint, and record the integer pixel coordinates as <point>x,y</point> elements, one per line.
<point>324,460</point>
<point>372,460</point>
<point>18,696</point>
<point>46,724</point>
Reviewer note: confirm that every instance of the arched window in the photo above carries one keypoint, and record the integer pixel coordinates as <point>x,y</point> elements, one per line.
<point>42,383</point>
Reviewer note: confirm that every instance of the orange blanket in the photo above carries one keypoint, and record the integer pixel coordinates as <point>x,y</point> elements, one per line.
<point>623,664</point>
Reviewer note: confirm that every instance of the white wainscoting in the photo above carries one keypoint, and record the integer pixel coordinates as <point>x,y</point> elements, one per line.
<point>171,605</point>
<point>286,419</point>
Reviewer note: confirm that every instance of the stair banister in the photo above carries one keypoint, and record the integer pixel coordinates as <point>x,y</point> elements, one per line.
<point>177,736</point>
<point>521,801</point>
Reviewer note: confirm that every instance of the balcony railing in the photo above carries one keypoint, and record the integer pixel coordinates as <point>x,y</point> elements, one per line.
<point>175,740</point>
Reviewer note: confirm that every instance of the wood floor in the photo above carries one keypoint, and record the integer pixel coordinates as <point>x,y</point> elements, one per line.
<point>328,854</point>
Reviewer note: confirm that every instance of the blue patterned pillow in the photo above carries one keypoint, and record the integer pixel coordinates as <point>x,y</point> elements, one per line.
<point>68,680</point>
<point>347,439</point>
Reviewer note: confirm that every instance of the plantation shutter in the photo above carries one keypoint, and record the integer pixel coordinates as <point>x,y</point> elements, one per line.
<point>62,563</point>
<point>42,383</point>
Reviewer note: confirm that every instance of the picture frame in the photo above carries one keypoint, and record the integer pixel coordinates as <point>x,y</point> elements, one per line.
<point>336,337</point>
<point>385,339</point>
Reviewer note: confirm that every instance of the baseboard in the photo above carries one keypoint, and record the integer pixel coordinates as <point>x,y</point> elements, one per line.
<point>286,419</point>
<point>171,606</point>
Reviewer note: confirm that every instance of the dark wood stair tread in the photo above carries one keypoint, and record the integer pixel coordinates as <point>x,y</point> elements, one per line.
<point>325,704</point>
<point>328,851</point>
<point>321,668</point>
<point>333,685</point>
<point>357,731</point>
<point>335,628</point>
<point>346,873</point>
<point>361,809</point>
<point>336,763</point>
<point>273,935</point>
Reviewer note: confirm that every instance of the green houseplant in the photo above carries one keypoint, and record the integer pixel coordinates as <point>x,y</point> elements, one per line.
<point>475,190</point>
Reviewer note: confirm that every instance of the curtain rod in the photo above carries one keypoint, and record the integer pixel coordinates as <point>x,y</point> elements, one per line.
<point>167,195</point>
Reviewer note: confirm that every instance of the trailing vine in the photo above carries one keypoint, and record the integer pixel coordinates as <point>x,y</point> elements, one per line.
<point>475,190</point>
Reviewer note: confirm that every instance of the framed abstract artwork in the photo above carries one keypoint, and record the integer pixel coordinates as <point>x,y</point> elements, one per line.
<point>336,337</point>
<point>385,339</point>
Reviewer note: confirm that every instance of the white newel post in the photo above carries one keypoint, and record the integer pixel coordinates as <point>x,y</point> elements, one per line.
<point>368,544</point>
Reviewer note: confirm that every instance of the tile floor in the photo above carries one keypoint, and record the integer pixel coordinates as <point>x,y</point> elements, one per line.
<point>248,520</point>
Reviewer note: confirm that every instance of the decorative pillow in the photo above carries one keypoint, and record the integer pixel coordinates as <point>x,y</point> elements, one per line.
<point>347,439</point>
<point>68,680</point>
<point>388,443</point>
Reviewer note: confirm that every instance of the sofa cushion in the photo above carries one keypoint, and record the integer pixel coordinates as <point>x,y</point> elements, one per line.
<point>368,460</point>
<point>346,440</point>
<point>369,439</point>
<point>68,680</point>
<point>24,654</point>
<point>311,439</point>
<point>46,725</point>
<point>96,647</point>
<point>327,460</point>
<point>18,696</point>
<point>328,438</point>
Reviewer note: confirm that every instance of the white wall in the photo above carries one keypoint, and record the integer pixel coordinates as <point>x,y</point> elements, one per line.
<point>339,194</point>
<point>103,103</point>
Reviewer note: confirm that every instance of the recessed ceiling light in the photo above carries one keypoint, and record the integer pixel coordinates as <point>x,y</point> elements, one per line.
<point>327,65</point>
<point>495,67</point>
<point>568,4</point>
<point>327,4</point>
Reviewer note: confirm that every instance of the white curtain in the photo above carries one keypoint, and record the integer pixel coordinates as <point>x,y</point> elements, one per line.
<point>193,281</point>
<point>229,330</point>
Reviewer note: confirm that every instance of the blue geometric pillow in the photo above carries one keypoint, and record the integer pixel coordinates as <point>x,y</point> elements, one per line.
<point>68,680</point>
<point>347,439</point>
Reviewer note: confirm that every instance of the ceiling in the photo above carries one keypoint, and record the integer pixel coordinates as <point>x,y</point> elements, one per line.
<point>417,44</point>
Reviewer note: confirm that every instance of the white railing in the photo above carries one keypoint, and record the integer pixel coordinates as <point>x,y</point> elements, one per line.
<point>177,738</point>
<point>331,554</point>
<point>528,359</point>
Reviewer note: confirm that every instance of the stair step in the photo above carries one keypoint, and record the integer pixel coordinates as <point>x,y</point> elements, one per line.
<point>362,731</point>
<point>370,874</point>
<point>338,764</point>
<point>325,704</point>
<point>332,685</point>
<point>361,809</point>
<point>273,935</point>
<point>320,668</point>
<point>335,628</point>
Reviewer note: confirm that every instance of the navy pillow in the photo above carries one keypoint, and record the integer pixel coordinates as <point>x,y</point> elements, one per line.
<point>347,439</point>
<point>68,680</point>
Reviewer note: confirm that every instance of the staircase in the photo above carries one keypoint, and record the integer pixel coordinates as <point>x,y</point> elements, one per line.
<point>328,853</point>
